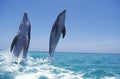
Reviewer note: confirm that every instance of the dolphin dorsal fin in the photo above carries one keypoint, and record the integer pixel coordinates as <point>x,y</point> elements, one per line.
<point>14,42</point>
<point>63,32</point>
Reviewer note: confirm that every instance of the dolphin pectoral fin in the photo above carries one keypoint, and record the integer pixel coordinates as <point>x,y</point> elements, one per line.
<point>63,32</point>
<point>14,42</point>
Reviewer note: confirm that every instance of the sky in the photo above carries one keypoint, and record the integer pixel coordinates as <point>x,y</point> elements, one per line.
<point>91,25</point>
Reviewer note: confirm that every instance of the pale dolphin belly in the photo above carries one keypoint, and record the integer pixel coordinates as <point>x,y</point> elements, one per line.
<point>19,46</point>
<point>53,43</point>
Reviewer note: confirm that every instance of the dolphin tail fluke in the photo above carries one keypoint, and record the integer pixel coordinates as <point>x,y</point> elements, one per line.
<point>64,32</point>
<point>14,42</point>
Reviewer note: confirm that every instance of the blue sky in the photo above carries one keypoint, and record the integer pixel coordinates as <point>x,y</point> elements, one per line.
<point>92,25</point>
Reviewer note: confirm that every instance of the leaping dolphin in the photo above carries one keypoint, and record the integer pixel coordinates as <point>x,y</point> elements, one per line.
<point>57,29</point>
<point>21,41</point>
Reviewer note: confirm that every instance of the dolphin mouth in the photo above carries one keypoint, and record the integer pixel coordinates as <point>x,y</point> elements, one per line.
<point>25,14</point>
<point>64,11</point>
<point>25,17</point>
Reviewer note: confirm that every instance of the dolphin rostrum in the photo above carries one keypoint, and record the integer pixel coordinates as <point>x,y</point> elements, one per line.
<point>57,29</point>
<point>21,41</point>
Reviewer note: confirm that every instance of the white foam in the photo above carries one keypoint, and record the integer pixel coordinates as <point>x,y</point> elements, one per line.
<point>37,75</point>
<point>36,69</point>
<point>109,77</point>
<point>46,71</point>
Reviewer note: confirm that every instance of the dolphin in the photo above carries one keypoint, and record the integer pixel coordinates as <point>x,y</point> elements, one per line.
<point>57,29</point>
<point>21,41</point>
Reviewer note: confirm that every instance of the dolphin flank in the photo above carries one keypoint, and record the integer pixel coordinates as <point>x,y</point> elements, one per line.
<point>57,29</point>
<point>21,41</point>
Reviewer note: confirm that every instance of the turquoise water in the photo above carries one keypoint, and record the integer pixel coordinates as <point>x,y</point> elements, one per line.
<point>64,66</point>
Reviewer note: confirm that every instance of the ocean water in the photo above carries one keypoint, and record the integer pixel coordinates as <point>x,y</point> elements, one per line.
<point>63,66</point>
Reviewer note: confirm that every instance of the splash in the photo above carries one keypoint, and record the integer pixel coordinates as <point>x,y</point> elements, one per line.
<point>35,69</point>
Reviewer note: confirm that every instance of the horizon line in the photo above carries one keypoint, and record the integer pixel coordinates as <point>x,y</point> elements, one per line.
<point>107,52</point>
<point>76,52</point>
